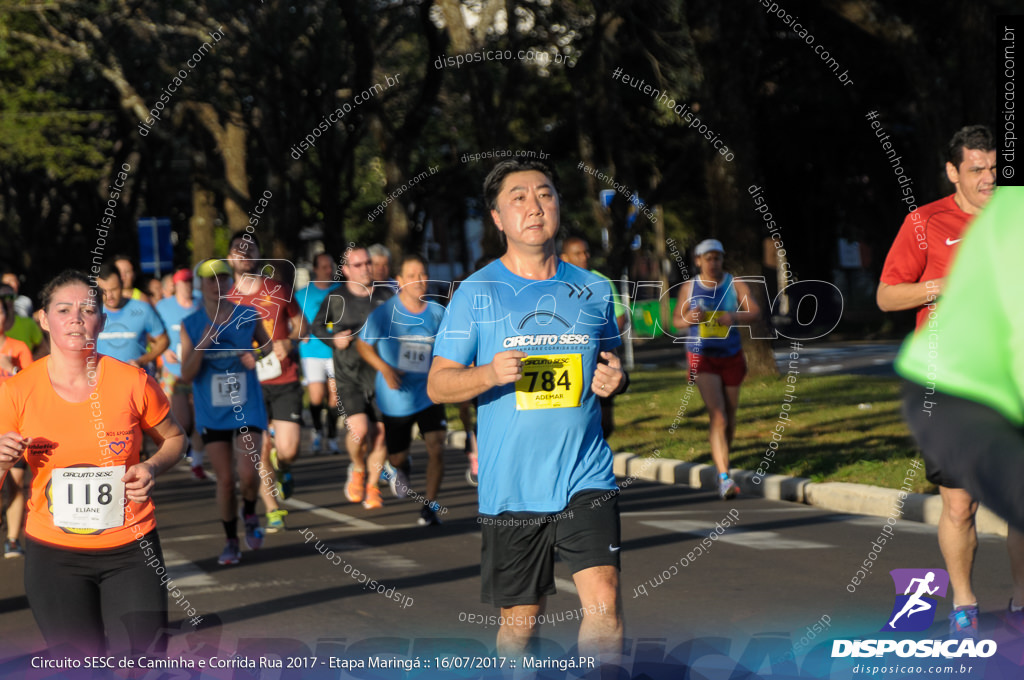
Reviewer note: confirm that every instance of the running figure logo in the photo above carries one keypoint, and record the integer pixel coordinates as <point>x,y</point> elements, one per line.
<point>914,610</point>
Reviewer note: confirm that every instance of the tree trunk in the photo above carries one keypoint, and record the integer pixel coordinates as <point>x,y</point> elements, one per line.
<point>394,214</point>
<point>231,146</point>
<point>204,210</point>
<point>233,151</point>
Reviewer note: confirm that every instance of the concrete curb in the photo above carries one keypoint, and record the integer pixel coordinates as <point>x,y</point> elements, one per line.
<point>857,499</point>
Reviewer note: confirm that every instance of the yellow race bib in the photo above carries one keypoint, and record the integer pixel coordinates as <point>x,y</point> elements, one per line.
<point>710,329</point>
<point>550,381</point>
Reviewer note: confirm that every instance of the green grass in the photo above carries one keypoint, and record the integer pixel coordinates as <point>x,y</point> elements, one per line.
<point>829,437</point>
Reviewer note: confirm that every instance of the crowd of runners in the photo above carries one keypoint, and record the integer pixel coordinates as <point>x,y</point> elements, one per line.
<point>218,362</point>
<point>110,382</point>
<point>243,391</point>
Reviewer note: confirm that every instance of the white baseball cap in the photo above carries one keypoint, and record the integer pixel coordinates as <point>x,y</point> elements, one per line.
<point>707,245</point>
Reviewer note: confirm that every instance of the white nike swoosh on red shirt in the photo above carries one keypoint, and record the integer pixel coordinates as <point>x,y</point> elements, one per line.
<point>949,243</point>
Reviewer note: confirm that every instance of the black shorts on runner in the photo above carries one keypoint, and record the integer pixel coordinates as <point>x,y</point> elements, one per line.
<point>398,431</point>
<point>518,552</point>
<point>208,435</point>
<point>284,402</point>
<point>354,401</point>
<point>967,445</point>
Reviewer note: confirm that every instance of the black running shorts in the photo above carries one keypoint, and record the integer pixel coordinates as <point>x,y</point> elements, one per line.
<point>210,435</point>
<point>398,431</point>
<point>354,401</point>
<point>518,553</point>
<point>284,402</point>
<point>967,445</point>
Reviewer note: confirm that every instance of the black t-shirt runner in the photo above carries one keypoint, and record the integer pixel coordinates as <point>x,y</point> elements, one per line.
<point>345,310</point>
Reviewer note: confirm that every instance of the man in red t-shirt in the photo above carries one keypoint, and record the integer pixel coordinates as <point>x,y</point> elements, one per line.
<point>912,278</point>
<point>278,369</point>
<point>916,265</point>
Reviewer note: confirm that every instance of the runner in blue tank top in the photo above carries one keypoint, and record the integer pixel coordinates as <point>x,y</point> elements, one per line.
<point>709,305</point>
<point>217,357</point>
<point>531,336</point>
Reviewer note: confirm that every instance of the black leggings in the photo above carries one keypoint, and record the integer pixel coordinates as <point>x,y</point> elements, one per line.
<point>80,598</point>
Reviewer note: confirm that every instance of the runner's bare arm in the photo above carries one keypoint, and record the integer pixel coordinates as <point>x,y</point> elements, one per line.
<point>751,313</point>
<point>684,316</point>
<point>449,382</point>
<point>369,354</point>
<point>12,447</point>
<point>323,325</point>
<point>192,355</point>
<point>609,377</point>
<point>262,337</point>
<point>139,478</point>
<point>157,345</point>
<point>296,325</point>
<point>899,296</point>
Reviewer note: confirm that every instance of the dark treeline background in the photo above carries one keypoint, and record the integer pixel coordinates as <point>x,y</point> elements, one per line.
<point>77,78</point>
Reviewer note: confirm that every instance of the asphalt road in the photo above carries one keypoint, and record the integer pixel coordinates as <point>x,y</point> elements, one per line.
<point>761,586</point>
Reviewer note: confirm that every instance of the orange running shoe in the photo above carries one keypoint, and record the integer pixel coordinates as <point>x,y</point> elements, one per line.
<point>355,484</point>
<point>373,499</point>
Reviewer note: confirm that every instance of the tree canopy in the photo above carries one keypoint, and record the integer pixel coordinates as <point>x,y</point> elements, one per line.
<point>377,120</point>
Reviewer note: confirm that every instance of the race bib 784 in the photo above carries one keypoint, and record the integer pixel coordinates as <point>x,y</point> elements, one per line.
<point>550,381</point>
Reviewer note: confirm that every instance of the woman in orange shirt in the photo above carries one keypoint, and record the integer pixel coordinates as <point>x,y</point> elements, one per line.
<point>14,356</point>
<point>93,558</point>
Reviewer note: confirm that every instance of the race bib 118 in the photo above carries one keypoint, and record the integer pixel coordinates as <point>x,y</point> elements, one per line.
<point>87,500</point>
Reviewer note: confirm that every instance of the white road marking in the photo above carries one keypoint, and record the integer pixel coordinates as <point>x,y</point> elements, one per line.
<point>186,539</point>
<point>716,512</point>
<point>378,557</point>
<point>354,522</point>
<point>904,526</point>
<point>185,574</point>
<point>745,538</point>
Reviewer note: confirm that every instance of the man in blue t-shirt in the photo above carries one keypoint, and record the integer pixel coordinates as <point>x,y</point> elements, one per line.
<point>171,311</point>
<point>316,356</point>
<point>531,337</point>
<point>398,341</point>
<point>131,324</point>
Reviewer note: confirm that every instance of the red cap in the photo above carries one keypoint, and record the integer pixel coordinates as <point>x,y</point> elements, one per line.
<point>182,275</point>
